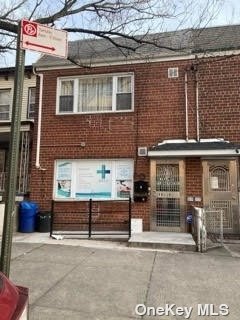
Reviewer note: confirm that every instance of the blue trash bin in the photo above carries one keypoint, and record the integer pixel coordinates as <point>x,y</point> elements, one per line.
<point>27,216</point>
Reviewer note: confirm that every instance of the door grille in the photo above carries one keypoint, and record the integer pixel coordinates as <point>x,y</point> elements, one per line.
<point>167,212</point>
<point>219,178</point>
<point>168,201</point>
<point>167,177</point>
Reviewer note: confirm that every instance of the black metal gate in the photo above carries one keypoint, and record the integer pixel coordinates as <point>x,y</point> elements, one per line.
<point>92,218</point>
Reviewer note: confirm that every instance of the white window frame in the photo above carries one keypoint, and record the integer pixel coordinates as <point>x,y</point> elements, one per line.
<point>9,111</point>
<point>75,162</point>
<point>29,100</point>
<point>115,76</point>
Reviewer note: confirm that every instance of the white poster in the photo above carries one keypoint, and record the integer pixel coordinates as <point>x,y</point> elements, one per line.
<point>64,177</point>
<point>124,188</point>
<point>214,182</point>
<point>124,170</point>
<point>94,180</point>
<point>64,170</point>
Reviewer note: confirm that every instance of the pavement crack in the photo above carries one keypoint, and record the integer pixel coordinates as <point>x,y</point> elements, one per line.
<point>60,279</point>
<point>233,254</point>
<point>149,281</point>
<point>27,252</point>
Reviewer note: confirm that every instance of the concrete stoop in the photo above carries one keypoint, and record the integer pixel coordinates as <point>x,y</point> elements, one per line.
<point>163,240</point>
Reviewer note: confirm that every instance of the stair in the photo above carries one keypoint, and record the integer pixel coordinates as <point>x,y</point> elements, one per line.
<point>163,240</point>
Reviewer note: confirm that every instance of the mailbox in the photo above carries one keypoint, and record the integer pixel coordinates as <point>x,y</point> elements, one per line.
<point>140,191</point>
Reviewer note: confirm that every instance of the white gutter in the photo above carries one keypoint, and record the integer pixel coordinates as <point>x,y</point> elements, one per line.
<point>37,164</point>
<point>197,106</point>
<point>195,153</point>
<point>186,103</point>
<point>136,61</point>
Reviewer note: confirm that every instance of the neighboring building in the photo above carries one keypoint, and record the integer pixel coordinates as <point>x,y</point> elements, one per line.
<point>28,107</point>
<point>167,119</point>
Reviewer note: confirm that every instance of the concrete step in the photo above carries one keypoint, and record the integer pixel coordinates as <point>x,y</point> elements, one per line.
<point>163,240</point>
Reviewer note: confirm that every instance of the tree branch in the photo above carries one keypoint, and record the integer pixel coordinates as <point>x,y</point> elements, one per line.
<point>8,26</point>
<point>135,39</point>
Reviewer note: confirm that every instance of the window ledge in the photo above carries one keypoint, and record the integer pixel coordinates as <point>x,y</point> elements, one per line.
<point>93,112</point>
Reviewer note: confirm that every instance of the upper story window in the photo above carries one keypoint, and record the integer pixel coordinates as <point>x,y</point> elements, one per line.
<point>31,102</point>
<point>106,93</point>
<point>5,104</point>
<point>66,96</point>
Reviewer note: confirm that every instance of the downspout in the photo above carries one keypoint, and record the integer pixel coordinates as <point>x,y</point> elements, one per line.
<point>186,103</point>
<point>197,103</point>
<point>37,164</point>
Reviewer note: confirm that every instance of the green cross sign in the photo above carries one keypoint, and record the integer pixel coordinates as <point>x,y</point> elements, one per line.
<point>103,171</point>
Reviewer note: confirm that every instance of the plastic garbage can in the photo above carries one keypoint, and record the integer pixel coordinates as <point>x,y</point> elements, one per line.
<point>44,221</point>
<point>27,216</point>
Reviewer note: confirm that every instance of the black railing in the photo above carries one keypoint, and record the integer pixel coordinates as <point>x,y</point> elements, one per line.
<point>91,218</point>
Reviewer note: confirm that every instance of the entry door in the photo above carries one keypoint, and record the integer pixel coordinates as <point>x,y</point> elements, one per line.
<point>220,191</point>
<point>167,196</point>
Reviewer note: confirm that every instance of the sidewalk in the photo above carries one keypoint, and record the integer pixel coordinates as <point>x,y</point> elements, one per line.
<point>230,249</point>
<point>44,238</point>
<point>101,280</point>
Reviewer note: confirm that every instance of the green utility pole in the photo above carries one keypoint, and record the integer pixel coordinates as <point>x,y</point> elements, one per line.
<point>10,190</point>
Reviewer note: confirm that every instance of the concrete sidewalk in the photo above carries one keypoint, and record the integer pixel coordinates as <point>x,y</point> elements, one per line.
<point>88,280</point>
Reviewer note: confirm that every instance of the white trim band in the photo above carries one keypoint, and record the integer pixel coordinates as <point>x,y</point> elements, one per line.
<point>195,153</point>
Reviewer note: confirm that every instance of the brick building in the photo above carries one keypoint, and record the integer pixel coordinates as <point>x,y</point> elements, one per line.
<point>26,129</point>
<point>116,124</point>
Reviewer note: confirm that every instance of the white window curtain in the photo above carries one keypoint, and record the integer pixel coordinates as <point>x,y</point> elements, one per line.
<point>67,88</point>
<point>124,85</point>
<point>124,96</point>
<point>95,94</point>
<point>66,97</point>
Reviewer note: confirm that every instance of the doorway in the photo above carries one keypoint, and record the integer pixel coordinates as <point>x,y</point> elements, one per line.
<point>220,191</point>
<point>167,195</point>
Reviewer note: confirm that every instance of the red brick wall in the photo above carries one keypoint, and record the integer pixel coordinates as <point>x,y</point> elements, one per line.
<point>193,181</point>
<point>159,113</point>
<point>219,98</point>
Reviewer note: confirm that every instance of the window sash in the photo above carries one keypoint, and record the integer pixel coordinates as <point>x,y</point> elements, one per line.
<point>95,94</point>
<point>66,98</point>
<point>105,93</point>
<point>5,104</point>
<point>31,102</point>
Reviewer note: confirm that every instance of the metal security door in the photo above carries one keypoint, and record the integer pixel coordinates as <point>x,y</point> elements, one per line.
<point>167,185</point>
<point>220,192</point>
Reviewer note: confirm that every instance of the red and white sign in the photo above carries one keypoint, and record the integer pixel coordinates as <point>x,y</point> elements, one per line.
<point>38,37</point>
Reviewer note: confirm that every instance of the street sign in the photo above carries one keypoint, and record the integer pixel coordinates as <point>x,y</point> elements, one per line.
<point>41,38</point>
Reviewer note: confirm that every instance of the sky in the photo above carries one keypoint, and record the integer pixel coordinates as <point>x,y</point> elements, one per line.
<point>228,14</point>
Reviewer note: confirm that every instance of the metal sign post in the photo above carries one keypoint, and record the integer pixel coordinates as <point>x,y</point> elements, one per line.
<point>31,36</point>
<point>11,182</point>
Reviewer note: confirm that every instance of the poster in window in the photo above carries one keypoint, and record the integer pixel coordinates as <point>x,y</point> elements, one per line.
<point>63,188</point>
<point>124,170</point>
<point>124,188</point>
<point>214,183</point>
<point>64,170</point>
<point>94,180</point>
<point>64,177</point>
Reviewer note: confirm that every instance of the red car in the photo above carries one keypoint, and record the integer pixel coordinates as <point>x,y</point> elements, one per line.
<point>13,300</point>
